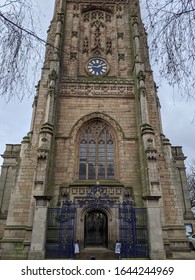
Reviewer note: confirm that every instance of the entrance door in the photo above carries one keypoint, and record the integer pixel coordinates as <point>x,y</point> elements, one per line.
<point>96,229</point>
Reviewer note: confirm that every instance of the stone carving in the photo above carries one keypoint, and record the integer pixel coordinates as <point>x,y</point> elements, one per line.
<point>118,191</point>
<point>75,191</point>
<point>128,193</point>
<point>85,45</point>
<point>75,15</point>
<point>109,46</point>
<point>76,10</point>
<point>119,10</point>
<point>97,33</point>
<point>108,18</point>
<point>74,34</point>
<point>60,17</point>
<point>73,55</point>
<point>64,193</point>
<point>97,53</point>
<point>119,16</point>
<point>111,191</point>
<point>98,17</point>
<point>53,75</point>
<point>86,17</point>
<point>120,35</point>
<point>82,191</point>
<point>141,76</point>
<point>52,80</point>
<point>121,56</point>
<point>44,139</point>
<point>42,152</point>
<point>97,90</point>
<point>150,150</point>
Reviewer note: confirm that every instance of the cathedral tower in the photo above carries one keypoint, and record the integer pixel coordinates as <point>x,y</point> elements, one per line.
<point>95,166</point>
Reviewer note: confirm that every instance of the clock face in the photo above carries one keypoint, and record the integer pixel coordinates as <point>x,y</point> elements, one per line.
<point>97,67</point>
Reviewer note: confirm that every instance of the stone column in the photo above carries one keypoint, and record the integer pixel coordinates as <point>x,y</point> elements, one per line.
<point>156,246</point>
<point>37,248</point>
<point>177,153</point>
<point>34,106</point>
<point>8,175</point>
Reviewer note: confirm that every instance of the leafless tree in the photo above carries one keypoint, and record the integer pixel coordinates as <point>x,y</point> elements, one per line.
<point>20,47</point>
<point>191,182</point>
<point>170,25</point>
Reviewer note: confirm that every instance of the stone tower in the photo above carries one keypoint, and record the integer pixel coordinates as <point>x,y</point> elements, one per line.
<point>95,144</point>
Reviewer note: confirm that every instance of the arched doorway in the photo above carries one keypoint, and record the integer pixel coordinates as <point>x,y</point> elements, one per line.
<point>96,229</point>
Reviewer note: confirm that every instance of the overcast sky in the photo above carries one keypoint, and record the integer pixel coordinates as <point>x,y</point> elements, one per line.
<point>178,116</point>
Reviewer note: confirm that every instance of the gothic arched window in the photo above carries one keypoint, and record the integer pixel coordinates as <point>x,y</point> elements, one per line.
<point>96,152</point>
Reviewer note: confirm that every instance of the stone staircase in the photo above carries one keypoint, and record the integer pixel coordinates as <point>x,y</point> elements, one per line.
<point>96,253</point>
<point>190,255</point>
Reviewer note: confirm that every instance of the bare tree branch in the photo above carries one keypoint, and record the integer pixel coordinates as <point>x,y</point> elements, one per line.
<point>171,31</point>
<point>191,182</point>
<point>31,33</point>
<point>170,25</point>
<point>21,49</point>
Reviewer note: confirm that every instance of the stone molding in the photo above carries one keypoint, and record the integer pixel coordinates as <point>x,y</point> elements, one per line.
<point>95,115</point>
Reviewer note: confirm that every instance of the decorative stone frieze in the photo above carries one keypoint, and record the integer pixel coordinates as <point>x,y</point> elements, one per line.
<point>82,191</point>
<point>97,90</point>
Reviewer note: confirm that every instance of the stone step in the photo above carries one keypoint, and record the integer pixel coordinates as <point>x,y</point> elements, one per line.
<point>96,254</point>
<point>13,255</point>
<point>183,255</point>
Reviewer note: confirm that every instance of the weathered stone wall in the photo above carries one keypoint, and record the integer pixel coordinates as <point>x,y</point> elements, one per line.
<point>114,110</point>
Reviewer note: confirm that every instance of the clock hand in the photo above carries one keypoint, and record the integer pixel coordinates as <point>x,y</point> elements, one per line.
<point>98,66</point>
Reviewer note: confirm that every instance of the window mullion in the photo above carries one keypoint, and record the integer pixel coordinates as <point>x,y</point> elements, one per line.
<point>96,153</point>
<point>105,154</point>
<point>96,157</point>
<point>87,156</point>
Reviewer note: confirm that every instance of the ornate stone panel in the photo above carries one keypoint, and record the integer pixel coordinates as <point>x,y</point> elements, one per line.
<point>70,89</point>
<point>82,191</point>
<point>97,30</point>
